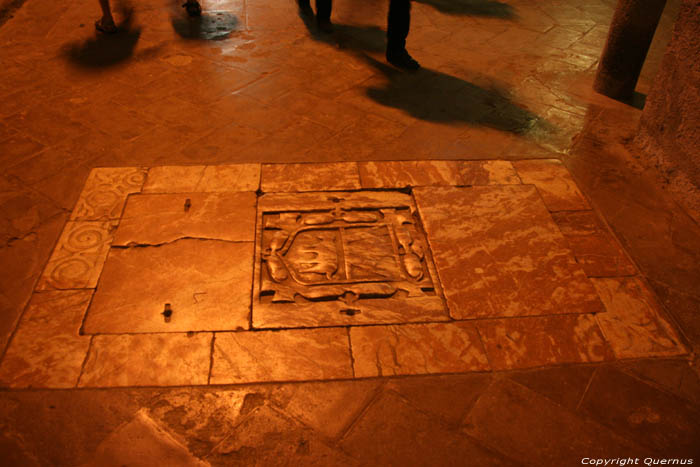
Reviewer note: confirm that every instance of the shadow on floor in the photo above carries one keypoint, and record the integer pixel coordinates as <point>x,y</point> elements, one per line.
<point>345,36</point>
<point>211,26</point>
<point>472,8</point>
<point>106,50</point>
<point>438,97</point>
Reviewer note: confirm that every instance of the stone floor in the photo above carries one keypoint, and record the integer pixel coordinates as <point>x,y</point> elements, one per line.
<point>234,241</point>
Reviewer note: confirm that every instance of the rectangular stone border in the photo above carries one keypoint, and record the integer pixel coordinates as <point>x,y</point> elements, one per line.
<point>129,185</point>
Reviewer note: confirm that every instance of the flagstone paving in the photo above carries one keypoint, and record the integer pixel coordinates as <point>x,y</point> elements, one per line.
<point>505,291</point>
<point>233,241</point>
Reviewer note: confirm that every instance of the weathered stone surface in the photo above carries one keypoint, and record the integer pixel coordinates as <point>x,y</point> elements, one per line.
<point>235,177</point>
<point>448,397</point>
<point>199,178</point>
<point>268,437</point>
<point>206,283</point>
<point>161,218</point>
<point>498,253</point>
<point>288,355</point>
<point>414,349</point>
<point>173,179</point>
<point>328,407</point>
<point>595,249</point>
<point>142,442</point>
<point>558,190</point>
<point>391,432</point>
<point>564,385</point>
<point>633,324</point>
<point>310,177</point>
<point>47,350</point>
<point>77,260</point>
<point>400,174</point>
<point>105,192</point>
<point>488,173</point>
<point>542,340</point>
<point>165,359</point>
<point>342,258</point>
<point>515,421</point>
<point>641,412</point>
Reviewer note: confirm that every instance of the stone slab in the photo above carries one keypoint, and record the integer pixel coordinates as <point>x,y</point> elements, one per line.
<point>564,385</point>
<point>641,412</point>
<point>310,177</point>
<point>526,426</point>
<point>173,179</point>
<point>392,432</point>
<point>47,350</point>
<point>206,282</point>
<point>553,181</point>
<point>199,178</point>
<point>498,253</point>
<point>341,258</point>
<point>77,260</point>
<point>268,437</point>
<point>449,397</point>
<point>105,192</point>
<point>542,340</point>
<point>164,359</point>
<point>142,441</point>
<point>161,218</point>
<point>594,247</point>
<point>400,174</point>
<point>488,173</point>
<point>633,324</point>
<point>415,349</point>
<point>287,355</point>
<point>328,407</point>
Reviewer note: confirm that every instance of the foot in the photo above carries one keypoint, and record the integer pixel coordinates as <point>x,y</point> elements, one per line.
<point>193,8</point>
<point>105,26</point>
<point>400,58</point>
<point>324,25</point>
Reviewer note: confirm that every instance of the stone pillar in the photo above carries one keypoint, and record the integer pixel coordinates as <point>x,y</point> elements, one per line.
<point>669,129</point>
<point>630,35</point>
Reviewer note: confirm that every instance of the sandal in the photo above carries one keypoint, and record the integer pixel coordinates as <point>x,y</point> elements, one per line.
<point>105,28</point>
<point>193,8</point>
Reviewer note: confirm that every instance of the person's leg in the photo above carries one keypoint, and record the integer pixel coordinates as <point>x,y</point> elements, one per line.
<point>106,23</point>
<point>323,15</point>
<point>193,8</point>
<point>399,22</point>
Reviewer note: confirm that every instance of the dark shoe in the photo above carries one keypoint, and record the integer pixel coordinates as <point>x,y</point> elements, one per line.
<point>324,25</point>
<point>105,28</point>
<point>305,8</point>
<point>193,8</point>
<point>400,58</point>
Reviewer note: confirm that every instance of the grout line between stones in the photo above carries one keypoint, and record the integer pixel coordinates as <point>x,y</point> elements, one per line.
<point>85,360</point>
<point>211,358</point>
<point>585,391</point>
<point>352,357</point>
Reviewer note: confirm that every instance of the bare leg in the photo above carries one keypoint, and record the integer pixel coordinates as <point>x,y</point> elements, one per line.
<point>106,13</point>
<point>106,23</point>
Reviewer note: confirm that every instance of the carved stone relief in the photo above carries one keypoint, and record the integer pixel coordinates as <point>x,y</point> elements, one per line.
<point>343,258</point>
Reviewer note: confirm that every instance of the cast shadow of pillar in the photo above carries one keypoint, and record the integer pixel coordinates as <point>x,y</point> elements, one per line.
<point>441,98</point>
<point>106,50</point>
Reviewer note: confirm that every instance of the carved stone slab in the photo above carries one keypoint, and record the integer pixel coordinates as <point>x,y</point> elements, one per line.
<point>327,259</point>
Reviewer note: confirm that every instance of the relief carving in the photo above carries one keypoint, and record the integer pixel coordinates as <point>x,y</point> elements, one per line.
<point>343,254</point>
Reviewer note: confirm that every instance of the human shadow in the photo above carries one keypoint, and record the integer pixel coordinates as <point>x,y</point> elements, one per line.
<point>486,8</point>
<point>438,97</point>
<point>210,26</point>
<point>106,50</point>
<point>345,36</point>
